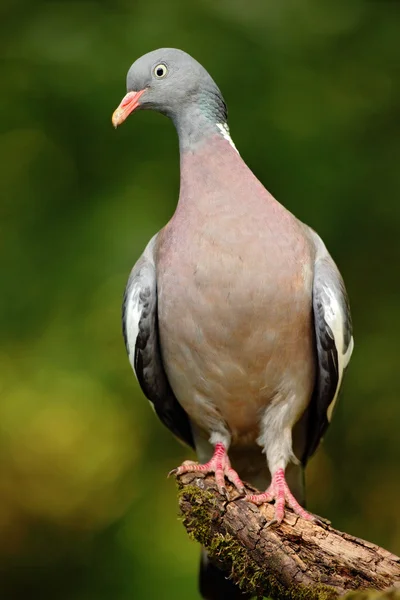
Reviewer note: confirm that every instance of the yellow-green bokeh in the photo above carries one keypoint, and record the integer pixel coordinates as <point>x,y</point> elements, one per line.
<point>312,88</point>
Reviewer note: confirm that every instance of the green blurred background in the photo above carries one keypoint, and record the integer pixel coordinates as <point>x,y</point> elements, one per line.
<point>86,511</point>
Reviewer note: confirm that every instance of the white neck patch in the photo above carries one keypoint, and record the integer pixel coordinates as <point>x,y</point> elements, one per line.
<point>224,129</point>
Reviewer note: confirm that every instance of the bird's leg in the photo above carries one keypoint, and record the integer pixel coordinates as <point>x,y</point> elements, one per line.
<point>219,464</point>
<point>280,492</point>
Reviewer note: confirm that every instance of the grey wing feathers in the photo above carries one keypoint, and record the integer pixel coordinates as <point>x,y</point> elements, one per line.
<point>140,329</point>
<point>334,343</point>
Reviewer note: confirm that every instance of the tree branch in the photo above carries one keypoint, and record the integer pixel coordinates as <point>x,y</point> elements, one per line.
<point>299,559</point>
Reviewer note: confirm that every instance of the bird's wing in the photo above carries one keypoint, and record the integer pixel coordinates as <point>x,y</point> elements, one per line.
<point>334,343</point>
<point>140,329</point>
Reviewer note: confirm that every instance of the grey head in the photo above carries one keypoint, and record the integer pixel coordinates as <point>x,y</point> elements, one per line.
<point>173,83</point>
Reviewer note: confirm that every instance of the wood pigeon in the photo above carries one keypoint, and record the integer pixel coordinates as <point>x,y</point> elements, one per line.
<point>235,318</point>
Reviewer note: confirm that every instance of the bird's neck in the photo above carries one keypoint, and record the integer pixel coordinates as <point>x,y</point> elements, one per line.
<point>216,181</point>
<point>211,179</point>
<point>192,137</point>
<point>201,120</point>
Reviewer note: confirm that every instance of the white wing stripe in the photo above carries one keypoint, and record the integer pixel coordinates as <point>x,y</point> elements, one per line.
<point>133,313</point>
<point>333,315</point>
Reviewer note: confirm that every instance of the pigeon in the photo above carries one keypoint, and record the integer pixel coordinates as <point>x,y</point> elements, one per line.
<point>235,318</point>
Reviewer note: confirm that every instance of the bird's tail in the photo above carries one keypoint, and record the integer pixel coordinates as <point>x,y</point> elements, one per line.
<point>214,584</point>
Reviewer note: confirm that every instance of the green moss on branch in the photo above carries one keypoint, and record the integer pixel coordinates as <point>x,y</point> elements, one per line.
<point>302,561</point>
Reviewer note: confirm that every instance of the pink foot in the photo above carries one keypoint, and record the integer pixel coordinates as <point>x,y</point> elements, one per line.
<point>280,492</point>
<point>220,465</point>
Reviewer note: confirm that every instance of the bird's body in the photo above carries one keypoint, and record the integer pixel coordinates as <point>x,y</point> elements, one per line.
<point>244,345</point>
<point>236,318</point>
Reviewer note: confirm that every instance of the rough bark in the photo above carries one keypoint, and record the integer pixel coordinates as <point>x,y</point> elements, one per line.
<point>299,559</point>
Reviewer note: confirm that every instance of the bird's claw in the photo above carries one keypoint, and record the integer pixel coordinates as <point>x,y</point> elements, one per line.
<point>241,495</point>
<point>272,523</point>
<point>222,491</point>
<point>220,465</point>
<point>322,521</point>
<point>279,492</point>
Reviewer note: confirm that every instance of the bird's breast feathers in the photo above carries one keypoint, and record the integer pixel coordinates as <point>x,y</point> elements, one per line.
<point>235,328</point>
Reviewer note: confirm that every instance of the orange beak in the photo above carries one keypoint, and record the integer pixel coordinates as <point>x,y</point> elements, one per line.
<point>128,105</point>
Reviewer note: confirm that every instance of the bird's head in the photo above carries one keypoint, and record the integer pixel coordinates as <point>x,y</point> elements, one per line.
<point>169,81</point>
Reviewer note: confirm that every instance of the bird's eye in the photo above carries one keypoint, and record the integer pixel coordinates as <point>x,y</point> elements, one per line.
<point>160,71</point>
